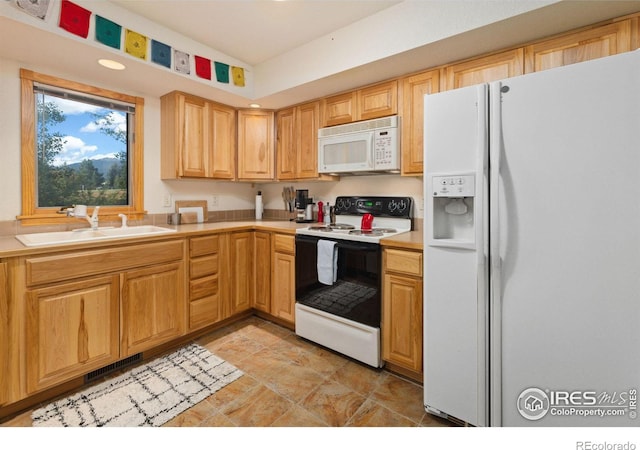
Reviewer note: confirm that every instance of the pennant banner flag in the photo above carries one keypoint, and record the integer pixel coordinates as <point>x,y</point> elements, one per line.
<point>222,72</point>
<point>203,67</point>
<point>135,44</point>
<point>181,62</point>
<point>74,18</point>
<point>108,32</point>
<point>238,75</point>
<point>35,8</point>
<point>161,54</point>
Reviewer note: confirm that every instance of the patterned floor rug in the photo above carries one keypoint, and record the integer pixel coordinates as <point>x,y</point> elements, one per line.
<point>148,395</point>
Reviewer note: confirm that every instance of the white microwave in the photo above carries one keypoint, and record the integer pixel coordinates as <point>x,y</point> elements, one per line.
<point>370,146</point>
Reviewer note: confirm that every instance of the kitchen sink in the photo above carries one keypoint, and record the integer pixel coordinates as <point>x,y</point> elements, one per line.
<point>87,234</point>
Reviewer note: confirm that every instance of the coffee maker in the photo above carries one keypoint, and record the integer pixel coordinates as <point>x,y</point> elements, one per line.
<point>304,206</point>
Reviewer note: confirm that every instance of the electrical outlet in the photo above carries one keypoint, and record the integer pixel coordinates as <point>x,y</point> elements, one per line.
<point>213,201</point>
<point>166,200</point>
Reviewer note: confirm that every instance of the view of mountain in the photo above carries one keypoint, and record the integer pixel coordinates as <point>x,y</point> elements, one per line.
<point>102,165</point>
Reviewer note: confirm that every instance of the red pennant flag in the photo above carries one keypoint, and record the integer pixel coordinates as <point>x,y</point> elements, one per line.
<point>203,67</point>
<point>74,18</point>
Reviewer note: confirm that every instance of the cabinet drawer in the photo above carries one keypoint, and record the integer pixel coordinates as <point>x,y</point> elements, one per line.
<point>401,261</point>
<point>203,287</point>
<point>204,311</point>
<point>284,243</point>
<point>68,266</point>
<point>203,245</point>
<point>205,265</point>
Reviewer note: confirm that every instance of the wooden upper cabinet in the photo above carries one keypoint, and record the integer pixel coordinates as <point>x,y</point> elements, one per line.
<point>414,88</point>
<point>297,142</point>
<point>378,101</point>
<point>308,122</point>
<point>375,101</point>
<point>222,142</point>
<point>256,146</point>
<point>286,147</point>
<point>482,70</point>
<point>339,109</point>
<point>580,46</point>
<point>197,138</point>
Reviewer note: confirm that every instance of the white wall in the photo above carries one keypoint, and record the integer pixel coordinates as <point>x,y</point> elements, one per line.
<point>231,195</point>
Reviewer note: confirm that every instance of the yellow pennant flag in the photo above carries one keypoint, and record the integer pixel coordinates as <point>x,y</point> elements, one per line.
<point>135,44</point>
<point>238,75</point>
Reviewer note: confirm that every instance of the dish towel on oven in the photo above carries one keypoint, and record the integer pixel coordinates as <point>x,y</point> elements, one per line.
<point>327,262</point>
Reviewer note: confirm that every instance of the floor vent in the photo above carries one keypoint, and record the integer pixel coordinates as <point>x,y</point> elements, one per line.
<point>112,367</point>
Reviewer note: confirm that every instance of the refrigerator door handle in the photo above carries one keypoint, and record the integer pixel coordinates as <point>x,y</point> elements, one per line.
<point>482,241</point>
<point>495,281</point>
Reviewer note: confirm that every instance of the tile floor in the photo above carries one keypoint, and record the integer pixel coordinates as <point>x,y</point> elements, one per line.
<point>291,382</point>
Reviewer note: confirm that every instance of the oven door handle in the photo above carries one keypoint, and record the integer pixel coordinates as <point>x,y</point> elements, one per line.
<point>347,245</point>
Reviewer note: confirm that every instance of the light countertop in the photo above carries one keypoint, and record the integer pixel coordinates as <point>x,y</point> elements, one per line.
<point>10,246</point>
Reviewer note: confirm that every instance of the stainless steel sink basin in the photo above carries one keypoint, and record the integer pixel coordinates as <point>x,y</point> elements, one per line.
<point>86,234</point>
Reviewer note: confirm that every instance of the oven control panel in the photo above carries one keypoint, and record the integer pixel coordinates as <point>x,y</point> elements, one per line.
<point>400,207</point>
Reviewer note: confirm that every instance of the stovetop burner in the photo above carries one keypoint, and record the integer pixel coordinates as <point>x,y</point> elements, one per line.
<point>392,215</point>
<point>341,226</point>
<point>366,232</point>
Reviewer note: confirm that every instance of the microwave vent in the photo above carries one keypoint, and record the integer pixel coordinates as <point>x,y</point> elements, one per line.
<point>365,125</point>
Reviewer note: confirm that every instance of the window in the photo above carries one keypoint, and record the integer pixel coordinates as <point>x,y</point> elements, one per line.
<point>80,145</point>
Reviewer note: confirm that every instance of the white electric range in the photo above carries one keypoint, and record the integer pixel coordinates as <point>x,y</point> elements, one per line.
<point>339,275</point>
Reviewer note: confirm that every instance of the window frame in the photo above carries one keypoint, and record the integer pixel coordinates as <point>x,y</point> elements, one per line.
<point>34,215</point>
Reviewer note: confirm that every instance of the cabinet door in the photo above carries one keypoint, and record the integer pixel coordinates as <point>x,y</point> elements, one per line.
<point>256,146</point>
<point>286,150</point>
<point>262,270</point>
<point>307,124</point>
<point>72,328</point>
<point>241,265</point>
<point>378,101</point>
<point>283,298</point>
<point>578,47</point>
<point>339,109</point>
<point>193,137</point>
<point>402,321</point>
<point>414,88</point>
<point>483,70</point>
<point>152,307</point>
<point>4,334</point>
<point>222,142</point>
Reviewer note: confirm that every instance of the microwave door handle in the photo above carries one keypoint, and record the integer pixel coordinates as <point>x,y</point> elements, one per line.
<point>372,154</point>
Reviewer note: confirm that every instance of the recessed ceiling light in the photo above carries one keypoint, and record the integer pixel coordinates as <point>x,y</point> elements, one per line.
<point>254,105</point>
<point>111,64</point>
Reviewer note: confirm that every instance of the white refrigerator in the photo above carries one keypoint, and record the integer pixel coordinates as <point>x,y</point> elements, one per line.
<point>532,248</point>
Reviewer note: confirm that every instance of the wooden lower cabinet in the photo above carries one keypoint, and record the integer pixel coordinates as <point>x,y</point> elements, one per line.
<point>262,271</point>
<point>72,328</point>
<point>402,310</point>
<point>204,281</point>
<point>240,261</point>
<point>4,333</point>
<point>152,307</point>
<point>283,293</point>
